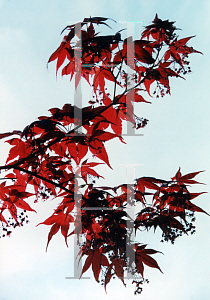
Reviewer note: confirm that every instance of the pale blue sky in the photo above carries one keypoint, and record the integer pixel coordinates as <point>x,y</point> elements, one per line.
<point>177,135</point>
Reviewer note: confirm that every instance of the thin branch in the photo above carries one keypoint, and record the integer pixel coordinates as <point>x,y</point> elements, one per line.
<point>44,179</point>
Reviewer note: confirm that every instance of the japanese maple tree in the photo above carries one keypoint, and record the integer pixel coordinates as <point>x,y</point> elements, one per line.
<point>55,156</point>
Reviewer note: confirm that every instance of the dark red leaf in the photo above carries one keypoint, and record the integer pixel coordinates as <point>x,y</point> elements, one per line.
<point>88,262</point>
<point>96,266</point>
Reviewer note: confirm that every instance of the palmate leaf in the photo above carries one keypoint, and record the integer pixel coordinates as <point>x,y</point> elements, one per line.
<point>60,220</point>
<point>186,179</point>
<point>96,259</point>
<point>142,256</point>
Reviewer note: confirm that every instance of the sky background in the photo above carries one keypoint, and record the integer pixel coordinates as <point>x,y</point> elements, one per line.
<point>177,135</point>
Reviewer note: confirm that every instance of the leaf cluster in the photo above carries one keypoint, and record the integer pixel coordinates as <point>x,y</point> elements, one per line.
<point>52,157</point>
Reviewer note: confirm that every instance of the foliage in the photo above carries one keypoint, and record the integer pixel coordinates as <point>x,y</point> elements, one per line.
<point>51,156</point>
